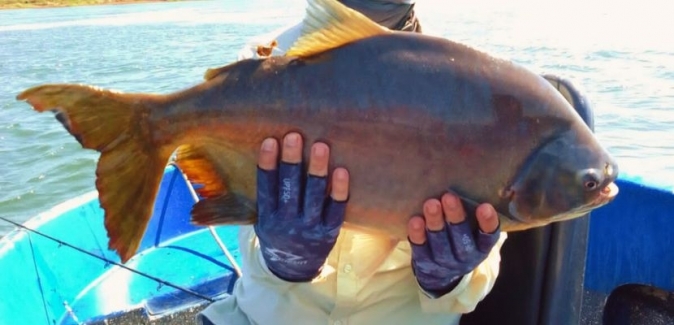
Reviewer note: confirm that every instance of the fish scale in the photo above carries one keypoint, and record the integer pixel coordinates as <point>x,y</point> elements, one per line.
<point>410,116</point>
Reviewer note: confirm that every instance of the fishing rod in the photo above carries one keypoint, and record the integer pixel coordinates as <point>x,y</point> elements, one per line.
<point>106,260</point>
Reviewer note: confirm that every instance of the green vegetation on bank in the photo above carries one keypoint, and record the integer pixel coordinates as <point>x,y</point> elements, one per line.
<point>16,4</point>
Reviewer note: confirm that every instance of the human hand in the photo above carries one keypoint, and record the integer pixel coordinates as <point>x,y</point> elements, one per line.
<point>298,223</point>
<point>444,249</point>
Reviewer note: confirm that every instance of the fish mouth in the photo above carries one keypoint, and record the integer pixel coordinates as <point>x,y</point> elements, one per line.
<point>610,191</point>
<point>606,195</point>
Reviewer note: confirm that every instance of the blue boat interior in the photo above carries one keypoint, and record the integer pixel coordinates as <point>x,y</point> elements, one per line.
<point>559,274</point>
<point>54,283</point>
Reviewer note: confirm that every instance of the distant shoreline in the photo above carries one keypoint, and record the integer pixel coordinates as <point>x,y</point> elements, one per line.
<point>33,4</point>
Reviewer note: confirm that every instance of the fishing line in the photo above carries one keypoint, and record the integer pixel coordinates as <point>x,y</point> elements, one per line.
<point>39,279</point>
<point>60,242</point>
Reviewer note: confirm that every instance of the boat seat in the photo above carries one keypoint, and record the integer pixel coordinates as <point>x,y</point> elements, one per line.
<point>541,276</point>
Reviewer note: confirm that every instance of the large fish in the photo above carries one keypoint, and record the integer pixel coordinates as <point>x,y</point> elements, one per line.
<point>409,116</point>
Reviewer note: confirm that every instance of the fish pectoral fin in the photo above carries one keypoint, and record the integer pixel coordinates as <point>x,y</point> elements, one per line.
<point>329,24</point>
<point>226,209</point>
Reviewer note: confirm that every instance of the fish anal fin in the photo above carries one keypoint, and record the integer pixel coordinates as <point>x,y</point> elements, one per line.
<point>329,24</point>
<point>224,201</point>
<point>199,167</point>
<point>227,209</point>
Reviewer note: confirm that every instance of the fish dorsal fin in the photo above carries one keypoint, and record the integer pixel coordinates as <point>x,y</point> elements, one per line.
<point>329,24</point>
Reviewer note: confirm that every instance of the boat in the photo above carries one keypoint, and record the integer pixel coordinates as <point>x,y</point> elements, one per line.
<point>56,268</point>
<point>61,272</point>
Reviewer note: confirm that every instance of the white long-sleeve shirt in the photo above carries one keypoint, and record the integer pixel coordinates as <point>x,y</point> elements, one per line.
<point>356,286</point>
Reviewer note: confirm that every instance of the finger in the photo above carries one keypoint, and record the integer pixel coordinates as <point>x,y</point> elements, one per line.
<point>267,179</point>
<point>433,215</point>
<point>416,230</point>
<point>292,148</point>
<point>460,232</point>
<point>267,194</point>
<point>416,234</point>
<point>340,185</point>
<point>314,199</point>
<point>318,161</point>
<point>289,190</point>
<point>463,243</point>
<point>486,216</point>
<point>453,209</point>
<point>334,215</point>
<point>315,192</point>
<point>268,154</point>
<point>290,177</point>
<point>441,248</point>
<point>336,208</point>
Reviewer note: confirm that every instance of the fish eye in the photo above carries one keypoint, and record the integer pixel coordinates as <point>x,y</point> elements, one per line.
<point>591,181</point>
<point>591,185</point>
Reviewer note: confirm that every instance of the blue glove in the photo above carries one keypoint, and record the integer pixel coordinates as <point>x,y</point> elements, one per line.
<point>447,254</point>
<point>298,223</point>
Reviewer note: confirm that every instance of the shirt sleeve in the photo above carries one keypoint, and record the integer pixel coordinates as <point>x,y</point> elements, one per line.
<point>471,289</point>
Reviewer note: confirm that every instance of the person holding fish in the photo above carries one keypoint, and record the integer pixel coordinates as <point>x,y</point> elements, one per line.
<point>409,114</point>
<point>302,267</point>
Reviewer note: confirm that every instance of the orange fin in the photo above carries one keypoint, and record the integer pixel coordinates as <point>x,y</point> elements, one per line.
<point>213,73</point>
<point>130,167</point>
<point>227,209</point>
<point>329,24</point>
<point>196,163</point>
<point>204,166</point>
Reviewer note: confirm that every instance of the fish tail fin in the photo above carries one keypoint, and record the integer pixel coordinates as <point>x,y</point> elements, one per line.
<point>130,167</point>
